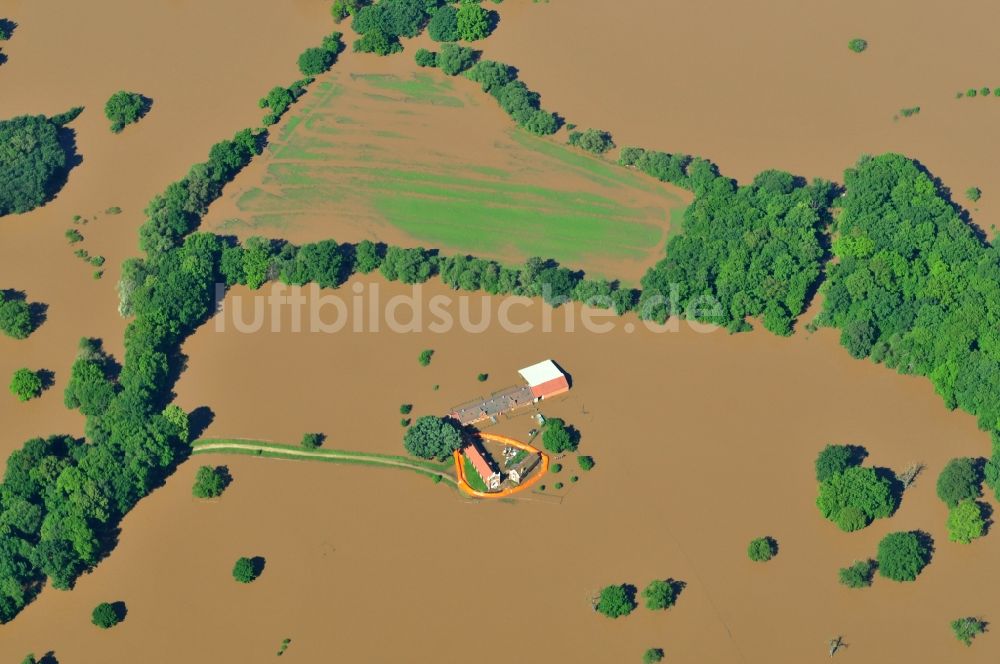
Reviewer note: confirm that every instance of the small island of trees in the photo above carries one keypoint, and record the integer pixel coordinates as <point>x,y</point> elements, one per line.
<point>616,601</point>
<point>124,108</point>
<point>106,615</point>
<point>849,495</point>
<point>903,555</point>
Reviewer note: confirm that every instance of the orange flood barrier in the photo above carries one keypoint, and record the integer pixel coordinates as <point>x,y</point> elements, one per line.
<point>463,483</point>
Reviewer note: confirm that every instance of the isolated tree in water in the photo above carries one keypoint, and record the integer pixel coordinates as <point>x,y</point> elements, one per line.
<point>124,108</point>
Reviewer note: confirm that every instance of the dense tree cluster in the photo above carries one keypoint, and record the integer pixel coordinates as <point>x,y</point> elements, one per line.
<point>25,384</point>
<point>849,495</point>
<point>903,555</point>
<point>443,26</point>
<point>967,629</point>
<point>105,615</point>
<point>472,21</point>
<point>34,157</point>
<point>124,108</point>
<point>959,480</point>
<point>244,570</point>
<point>454,59</point>
<point>762,549</point>
<point>209,482</point>
<point>750,251</point>
<point>858,575</point>
<point>514,97</point>
<point>616,601</point>
<point>15,316</point>
<point>914,287</point>
<point>592,140</point>
<point>318,59</point>
<point>383,23</point>
<point>966,522</point>
<point>425,58</point>
<point>341,9</point>
<point>660,594</point>
<point>558,438</point>
<point>432,437</point>
<point>835,459</point>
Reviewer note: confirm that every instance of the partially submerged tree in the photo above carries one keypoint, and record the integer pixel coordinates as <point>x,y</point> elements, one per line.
<point>616,601</point>
<point>124,108</point>
<point>903,555</point>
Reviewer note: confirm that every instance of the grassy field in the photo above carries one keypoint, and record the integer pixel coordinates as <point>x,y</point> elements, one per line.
<point>418,159</point>
<point>472,477</point>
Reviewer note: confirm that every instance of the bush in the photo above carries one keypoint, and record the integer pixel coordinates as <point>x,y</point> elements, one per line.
<point>967,629</point>
<point>961,479</point>
<point>425,58</point>
<point>971,92</point>
<point>652,656</point>
<point>432,437</point>
<point>105,615</point>
<point>858,575</point>
<point>586,462</point>
<point>455,59</point>
<point>124,108</point>
<point>425,357</point>
<point>557,438</point>
<point>482,377</point>
<point>557,486</point>
<point>209,482</point>
<point>966,522</point>
<point>315,60</point>
<point>245,571</point>
<point>15,317</point>
<point>854,498</point>
<point>473,21</point>
<point>660,594</point>
<point>311,441</point>
<point>26,384</point>
<point>762,549</point>
<point>556,468</point>
<point>616,601</point>
<point>406,409</point>
<point>973,194</point>
<point>903,555</point>
<point>857,45</point>
<point>984,91</point>
<point>443,26</point>
<point>592,140</point>
<point>33,162</point>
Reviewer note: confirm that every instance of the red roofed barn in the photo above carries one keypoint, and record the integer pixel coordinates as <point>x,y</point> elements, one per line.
<point>545,379</point>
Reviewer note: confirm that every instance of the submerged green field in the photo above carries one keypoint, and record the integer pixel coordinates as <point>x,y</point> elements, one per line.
<point>374,153</point>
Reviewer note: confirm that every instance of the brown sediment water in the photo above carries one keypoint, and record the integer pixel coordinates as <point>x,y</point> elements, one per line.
<point>204,69</point>
<point>702,442</point>
<point>759,85</point>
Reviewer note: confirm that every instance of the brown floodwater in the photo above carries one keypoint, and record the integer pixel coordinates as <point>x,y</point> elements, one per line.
<point>203,68</point>
<point>758,85</point>
<point>703,441</point>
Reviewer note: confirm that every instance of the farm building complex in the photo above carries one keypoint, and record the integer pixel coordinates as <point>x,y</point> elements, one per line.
<point>543,381</point>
